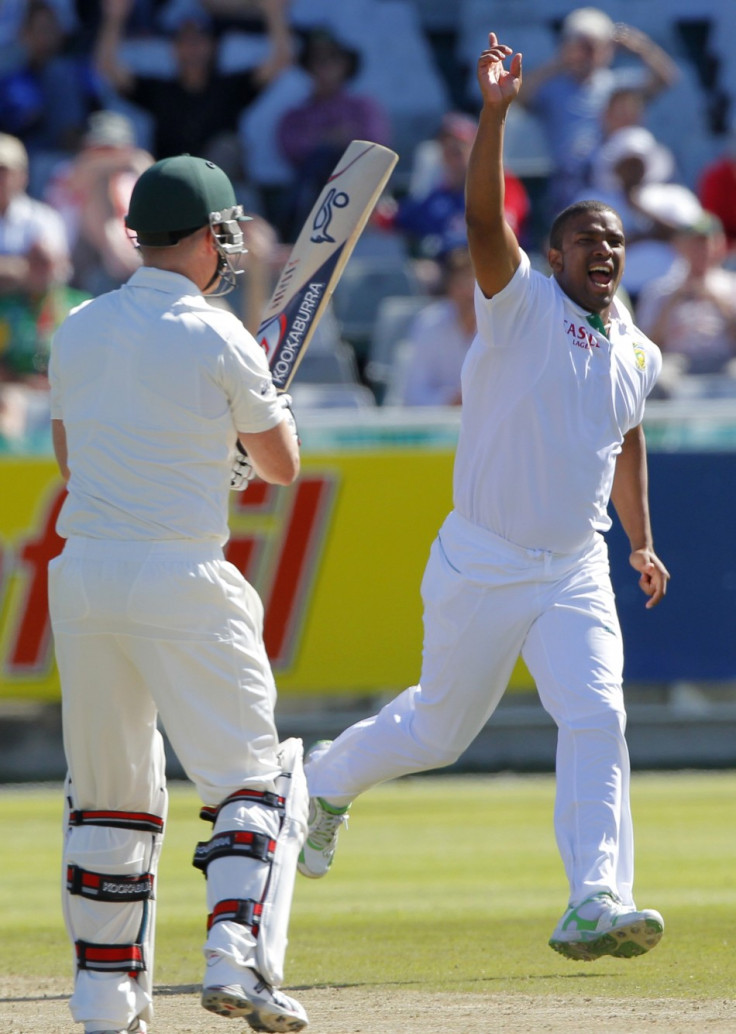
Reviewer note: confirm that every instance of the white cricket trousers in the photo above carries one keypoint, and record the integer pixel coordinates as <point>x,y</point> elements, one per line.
<point>143,629</point>
<point>485,602</point>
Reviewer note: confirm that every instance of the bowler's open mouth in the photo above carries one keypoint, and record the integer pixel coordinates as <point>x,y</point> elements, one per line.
<point>601,275</point>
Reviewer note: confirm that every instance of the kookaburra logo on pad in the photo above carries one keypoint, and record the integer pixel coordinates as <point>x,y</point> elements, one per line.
<point>334,199</point>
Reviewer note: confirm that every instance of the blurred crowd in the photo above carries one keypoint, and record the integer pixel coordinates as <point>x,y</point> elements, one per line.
<point>94,91</point>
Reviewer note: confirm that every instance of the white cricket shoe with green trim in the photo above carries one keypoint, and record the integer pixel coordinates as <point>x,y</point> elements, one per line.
<point>602,925</point>
<point>320,845</point>
<point>324,823</point>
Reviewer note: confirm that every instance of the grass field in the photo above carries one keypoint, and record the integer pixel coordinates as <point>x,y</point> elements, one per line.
<point>448,884</point>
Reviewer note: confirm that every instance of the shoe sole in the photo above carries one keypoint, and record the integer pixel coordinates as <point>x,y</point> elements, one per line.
<point>626,942</point>
<point>259,1017</point>
<point>301,866</point>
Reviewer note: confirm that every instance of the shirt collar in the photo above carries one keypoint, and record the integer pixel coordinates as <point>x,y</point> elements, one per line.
<point>597,323</point>
<point>163,280</point>
<point>618,312</point>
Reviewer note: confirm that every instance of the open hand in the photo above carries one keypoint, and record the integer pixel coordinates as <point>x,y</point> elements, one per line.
<point>499,86</point>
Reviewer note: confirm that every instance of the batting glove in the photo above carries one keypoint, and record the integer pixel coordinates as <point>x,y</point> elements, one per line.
<point>242,472</point>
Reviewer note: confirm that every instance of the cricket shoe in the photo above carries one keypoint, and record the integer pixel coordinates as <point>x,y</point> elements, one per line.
<point>324,823</point>
<point>238,991</point>
<point>602,925</point>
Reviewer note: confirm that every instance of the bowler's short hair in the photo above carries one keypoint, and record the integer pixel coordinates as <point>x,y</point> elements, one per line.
<point>558,226</point>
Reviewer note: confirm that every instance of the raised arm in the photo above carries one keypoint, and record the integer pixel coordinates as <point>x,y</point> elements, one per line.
<point>662,69</point>
<point>493,246</point>
<point>281,47</point>
<point>109,37</point>
<point>630,496</point>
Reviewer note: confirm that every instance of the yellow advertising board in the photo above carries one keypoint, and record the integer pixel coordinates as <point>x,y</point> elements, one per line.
<point>337,559</point>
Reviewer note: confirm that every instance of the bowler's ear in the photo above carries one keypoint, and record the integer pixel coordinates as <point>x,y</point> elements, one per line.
<point>554,259</point>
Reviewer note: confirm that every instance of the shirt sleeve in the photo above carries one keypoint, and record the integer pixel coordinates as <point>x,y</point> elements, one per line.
<point>248,385</point>
<point>498,318</point>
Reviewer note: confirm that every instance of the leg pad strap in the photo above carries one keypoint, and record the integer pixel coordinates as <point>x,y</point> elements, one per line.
<point>243,843</point>
<point>140,820</point>
<point>106,958</point>
<point>266,798</point>
<point>105,887</point>
<point>243,911</point>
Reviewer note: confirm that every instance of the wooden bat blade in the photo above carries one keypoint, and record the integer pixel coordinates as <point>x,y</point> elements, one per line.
<point>320,254</point>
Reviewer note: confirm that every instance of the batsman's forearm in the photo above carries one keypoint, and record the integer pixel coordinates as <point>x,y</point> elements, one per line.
<point>274,454</point>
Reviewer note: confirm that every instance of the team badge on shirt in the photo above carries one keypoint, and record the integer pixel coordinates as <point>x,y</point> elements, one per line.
<point>640,356</point>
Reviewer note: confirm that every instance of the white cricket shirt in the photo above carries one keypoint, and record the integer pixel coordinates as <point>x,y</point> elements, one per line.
<point>152,383</point>
<point>546,403</point>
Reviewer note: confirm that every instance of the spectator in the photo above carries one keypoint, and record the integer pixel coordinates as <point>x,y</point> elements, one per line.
<point>144,19</point>
<point>626,106</point>
<point>236,15</point>
<point>691,312</point>
<point>439,337</point>
<point>92,193</point>
<point>197,110</point>
<point>24,221</point>
<point>432,215</point>
<point>312,135</point>
<point>717,188</point>
<point>45,100</point>
<point>625,110</point>
<point>443,159</point>
<point>262,268</point>
<point>569,93</point>
<point>29,315</point>
<point>631,169</point>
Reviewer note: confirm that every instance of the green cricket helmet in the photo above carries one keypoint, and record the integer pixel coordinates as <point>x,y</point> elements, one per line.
<point>176,196</point>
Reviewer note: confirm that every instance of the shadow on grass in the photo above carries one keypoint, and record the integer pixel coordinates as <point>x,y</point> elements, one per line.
<point>480,981</point>
<point>165,990</point>
<point>35,998</point>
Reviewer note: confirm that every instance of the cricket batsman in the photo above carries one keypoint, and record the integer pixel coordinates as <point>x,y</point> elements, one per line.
<point>152,387</point>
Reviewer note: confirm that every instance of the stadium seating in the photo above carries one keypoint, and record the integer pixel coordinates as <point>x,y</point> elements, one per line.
<point>364,284</point>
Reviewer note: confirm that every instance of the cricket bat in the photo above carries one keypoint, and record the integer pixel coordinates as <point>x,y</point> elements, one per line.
<point>320,254</point>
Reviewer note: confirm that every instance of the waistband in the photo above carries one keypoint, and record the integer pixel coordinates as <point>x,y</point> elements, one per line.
<point>484,539</point>
<point>142,549</point>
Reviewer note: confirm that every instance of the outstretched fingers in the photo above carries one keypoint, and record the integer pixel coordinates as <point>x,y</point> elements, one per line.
<point>497,83</point>
<point>495,52</point>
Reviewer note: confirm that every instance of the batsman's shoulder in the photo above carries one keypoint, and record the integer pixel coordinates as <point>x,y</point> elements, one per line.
<point>91,309</point>
<point>222,323</point>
